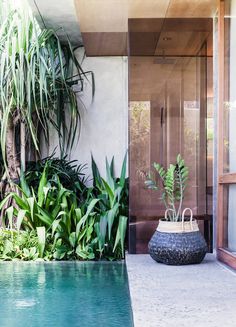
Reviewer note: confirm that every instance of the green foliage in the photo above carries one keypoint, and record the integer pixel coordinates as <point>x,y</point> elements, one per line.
<point>72,231</point>
<point>37,78</point>
<point>71,175</point>
<point>63,227</point>
<point>113,208</point>
<point>173,183</point>
<point>53,210</point>
<point>37,209</point>
<point>22,245</point>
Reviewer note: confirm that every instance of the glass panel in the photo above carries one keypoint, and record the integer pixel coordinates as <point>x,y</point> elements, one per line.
<point>140,150</point>
<point>229,221</point>
<point>170,112</point>
<point>229,158</point>
<point>229,88</point>
<point>231,218</point>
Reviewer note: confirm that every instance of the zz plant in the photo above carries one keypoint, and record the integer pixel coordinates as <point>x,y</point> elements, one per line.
<point>172,183</point>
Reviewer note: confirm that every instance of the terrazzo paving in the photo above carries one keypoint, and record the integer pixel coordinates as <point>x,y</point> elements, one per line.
<point>179,296</point>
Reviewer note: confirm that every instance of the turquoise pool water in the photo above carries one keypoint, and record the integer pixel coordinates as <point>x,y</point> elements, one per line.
<point>64,294</point>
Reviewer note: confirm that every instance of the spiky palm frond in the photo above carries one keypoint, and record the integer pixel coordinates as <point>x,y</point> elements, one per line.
<point>37,78</point>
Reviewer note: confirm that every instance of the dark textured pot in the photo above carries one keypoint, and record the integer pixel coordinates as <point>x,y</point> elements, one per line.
<point>180,248</point>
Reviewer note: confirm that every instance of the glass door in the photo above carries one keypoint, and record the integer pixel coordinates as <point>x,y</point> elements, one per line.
<point>226,215</point>
<point>170,112</point>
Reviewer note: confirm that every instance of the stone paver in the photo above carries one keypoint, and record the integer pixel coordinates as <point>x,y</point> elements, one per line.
<point>181,296</point>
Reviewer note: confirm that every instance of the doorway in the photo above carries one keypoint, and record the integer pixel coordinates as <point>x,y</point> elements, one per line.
<point>170,112</point>
<point>226,156</point>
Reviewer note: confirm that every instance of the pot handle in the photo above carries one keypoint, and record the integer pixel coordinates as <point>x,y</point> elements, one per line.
<point>191,218</point>
<point>166,212</point>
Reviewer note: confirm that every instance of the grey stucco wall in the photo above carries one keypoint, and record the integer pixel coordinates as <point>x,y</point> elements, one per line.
<point>104,129</point>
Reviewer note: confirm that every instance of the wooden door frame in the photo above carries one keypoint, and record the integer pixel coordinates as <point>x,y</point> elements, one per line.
<point>224,179</point>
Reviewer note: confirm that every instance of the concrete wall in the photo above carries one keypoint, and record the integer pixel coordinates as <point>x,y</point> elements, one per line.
<point>104,130</point>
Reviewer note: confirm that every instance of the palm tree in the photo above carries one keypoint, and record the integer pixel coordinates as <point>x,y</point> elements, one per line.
<point>37,79</point>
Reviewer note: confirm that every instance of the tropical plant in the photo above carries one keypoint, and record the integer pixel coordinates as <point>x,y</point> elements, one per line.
<point>70,175</point>
<point>54,214</point>
<point>73,233</point>
<point>65,228</point>
<point>35,209</point>
<point>23,245</point>
<point>37,79</point>
<point>172,184</point>
<point>113,209</point>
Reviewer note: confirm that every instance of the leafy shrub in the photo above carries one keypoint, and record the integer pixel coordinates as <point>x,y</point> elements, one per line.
<point>70,175</point>
<point>92,229</point>
<point>55,209</point>
<point>112,208</point>
<point>21,245</point>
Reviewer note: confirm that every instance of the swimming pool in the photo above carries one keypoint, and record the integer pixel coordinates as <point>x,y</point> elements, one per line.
<point>63,294</point>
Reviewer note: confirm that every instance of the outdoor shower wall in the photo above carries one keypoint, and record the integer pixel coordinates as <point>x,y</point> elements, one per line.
<point>104,121</point>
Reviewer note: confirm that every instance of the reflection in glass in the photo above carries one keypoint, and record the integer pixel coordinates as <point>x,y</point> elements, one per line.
<point>170,112</point>
<point>229,124</point>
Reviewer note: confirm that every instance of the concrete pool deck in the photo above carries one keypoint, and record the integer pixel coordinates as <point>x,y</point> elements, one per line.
<point>179,296</point>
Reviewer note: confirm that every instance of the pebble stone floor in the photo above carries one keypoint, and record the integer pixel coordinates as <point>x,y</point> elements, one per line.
<point>181,296</point>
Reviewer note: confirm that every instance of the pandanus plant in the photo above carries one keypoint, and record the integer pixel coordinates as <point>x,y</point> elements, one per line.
<point>37,89</point>
<point>172,183</point>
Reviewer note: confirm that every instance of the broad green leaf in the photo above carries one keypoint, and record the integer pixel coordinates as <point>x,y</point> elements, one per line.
<point>73,239</point>
<point>110,218</point>
<point>55,225</point>
<point>42,185</point>
<point>9,213</point>
<point>44,217</point>
<point>20,218</point>
<point>97,180</point>
<point>121,231</point>
<point>109,192</point>
<point>109,173</point>
<point>78,214</point>
<point>24,186</point>
<point>41,232</point>
<point>102,230</point>
<point>31,203</point>
<point>123,171</point>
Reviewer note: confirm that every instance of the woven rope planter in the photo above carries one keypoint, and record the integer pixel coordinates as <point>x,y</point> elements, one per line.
<point>178,243</point>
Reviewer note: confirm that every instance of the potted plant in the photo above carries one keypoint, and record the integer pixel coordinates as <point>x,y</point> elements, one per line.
<point>177,239</point>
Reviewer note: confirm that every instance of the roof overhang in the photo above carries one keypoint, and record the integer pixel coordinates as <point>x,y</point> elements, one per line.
<point>105,24</point>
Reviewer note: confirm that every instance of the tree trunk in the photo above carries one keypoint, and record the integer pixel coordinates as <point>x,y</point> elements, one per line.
<point>11,177</point>
<point>12,157</point>
<point>12,174</point>
<point>22,146</point>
